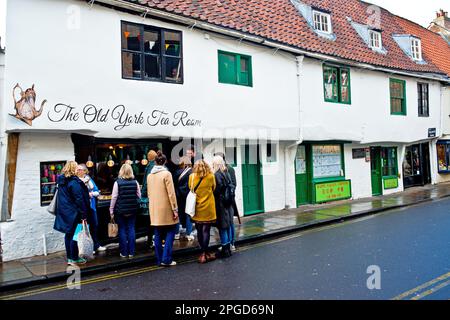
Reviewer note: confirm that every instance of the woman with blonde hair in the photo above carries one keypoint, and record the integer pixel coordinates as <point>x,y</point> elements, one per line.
<point>72,206</point>
<point>203,183</point>
<point>224,204</point>
<point>124,206</point>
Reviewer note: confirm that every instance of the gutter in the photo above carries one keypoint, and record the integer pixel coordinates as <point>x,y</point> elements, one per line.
<point>146,11</point>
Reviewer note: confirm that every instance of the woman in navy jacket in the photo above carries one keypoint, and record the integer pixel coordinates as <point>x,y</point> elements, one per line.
<point>72,205</point>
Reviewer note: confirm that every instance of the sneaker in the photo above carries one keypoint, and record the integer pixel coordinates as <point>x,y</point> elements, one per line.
<point>173,263</point>
<point>177,236</point>
<point>194,232</point>
<point>233,248</point>
<point>190,237</point>
<point>70,262</point>
<point>122,256</point>
<point>79,261</point>
<point>182,230</point>
<point>131,256</point>
<point>101,249</point>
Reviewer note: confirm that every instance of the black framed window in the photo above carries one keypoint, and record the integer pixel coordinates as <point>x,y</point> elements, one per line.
<point>151,53</point>
<point>423,102</point>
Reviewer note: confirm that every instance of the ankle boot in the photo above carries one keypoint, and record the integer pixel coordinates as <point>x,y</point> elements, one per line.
<point>210,256</point>
<point>202,258</point>
<point>227,251</point>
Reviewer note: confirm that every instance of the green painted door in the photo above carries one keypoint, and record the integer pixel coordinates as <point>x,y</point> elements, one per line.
<point>252,183</point>
<point>301,177</point>
<point>375,169</point>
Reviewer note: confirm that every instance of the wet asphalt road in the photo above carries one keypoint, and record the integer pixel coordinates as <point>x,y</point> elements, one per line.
<point>410,246</point>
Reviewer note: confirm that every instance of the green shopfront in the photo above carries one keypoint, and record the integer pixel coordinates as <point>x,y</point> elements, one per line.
<point>384,169</point>
<point>320,173</point>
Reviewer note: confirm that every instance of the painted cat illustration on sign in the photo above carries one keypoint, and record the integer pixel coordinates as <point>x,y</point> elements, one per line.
<point>25,107</point>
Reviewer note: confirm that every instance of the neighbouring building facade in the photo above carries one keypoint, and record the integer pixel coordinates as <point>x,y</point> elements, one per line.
<point>353,111</point>
<point>441,24</point>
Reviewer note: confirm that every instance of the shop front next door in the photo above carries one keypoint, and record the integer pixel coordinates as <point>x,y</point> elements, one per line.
<point>416,165</point>
<point>301,176</point>
<point>252,183</point>
<point>375,169</point>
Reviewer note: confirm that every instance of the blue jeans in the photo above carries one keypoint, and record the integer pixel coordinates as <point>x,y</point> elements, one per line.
<point>232,233</point>
<point>127,235</point>
<point>71,246</point>
<point>167,233</point>
<point>225,236</point>
<point>93,226</point>
<point>188,225</point>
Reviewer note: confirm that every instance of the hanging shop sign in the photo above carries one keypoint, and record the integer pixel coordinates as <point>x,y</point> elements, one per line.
<point>390,183</point>
<point>330,191</point>
<point>25,106</point>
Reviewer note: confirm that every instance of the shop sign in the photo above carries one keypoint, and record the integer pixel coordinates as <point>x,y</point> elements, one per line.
<point>390,183</point>
<point>431,132</point>
<point>335,190</point>
<point>359,153</point>
<point>119,117</point>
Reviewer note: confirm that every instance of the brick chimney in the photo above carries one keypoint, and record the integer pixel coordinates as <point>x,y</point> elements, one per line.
<point>442,19</point>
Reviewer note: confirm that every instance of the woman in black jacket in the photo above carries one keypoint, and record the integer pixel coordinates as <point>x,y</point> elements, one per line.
<point>224,209</point>
<point>72,206</point>
<point>181,181</point>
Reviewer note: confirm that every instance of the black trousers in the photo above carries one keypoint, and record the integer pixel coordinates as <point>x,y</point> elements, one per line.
<point>203,235</point>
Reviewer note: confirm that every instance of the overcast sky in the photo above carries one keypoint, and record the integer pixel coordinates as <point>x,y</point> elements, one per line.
<point>420,11</point>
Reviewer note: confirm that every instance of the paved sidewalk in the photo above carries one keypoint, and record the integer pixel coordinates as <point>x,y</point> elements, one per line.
<point>42,269</point>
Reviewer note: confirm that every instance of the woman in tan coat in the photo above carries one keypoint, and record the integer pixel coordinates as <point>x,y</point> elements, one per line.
<point>163,210</point>
<point>202,181</point>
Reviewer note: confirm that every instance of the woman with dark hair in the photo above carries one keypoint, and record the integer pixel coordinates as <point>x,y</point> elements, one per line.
<point>181,180</point>
<point>163,210</point>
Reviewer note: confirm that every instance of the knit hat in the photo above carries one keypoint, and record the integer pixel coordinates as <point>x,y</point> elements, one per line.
<point>151,155</point>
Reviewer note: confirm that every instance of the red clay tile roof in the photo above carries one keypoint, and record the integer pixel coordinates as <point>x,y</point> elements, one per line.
<point>279,20</point>
<point>433,45</point>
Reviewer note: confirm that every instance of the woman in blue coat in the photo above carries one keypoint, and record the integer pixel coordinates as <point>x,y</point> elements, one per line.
<point>72,206</point>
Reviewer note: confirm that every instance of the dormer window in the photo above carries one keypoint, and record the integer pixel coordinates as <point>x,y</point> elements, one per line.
<point>416,49</point>
<point>322,22</point>
<point>375,40</point>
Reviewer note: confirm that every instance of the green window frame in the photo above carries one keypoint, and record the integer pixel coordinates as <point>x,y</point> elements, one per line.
<point>389,163</point>
<point>397,90</point>
<point>235,68</point>
<point>336,84</point>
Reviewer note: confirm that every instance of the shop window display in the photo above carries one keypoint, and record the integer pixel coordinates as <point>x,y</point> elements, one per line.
<point>389,161</point>
<point>49,176</point>
<point>327,161</point>
<point>443,155</point>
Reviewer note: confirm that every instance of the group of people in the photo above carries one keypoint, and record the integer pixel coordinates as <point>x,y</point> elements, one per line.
<point>164,197</point>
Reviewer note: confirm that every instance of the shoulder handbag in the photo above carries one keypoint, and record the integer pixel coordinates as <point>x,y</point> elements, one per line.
<point>191,200</point>
<point>183,173</point>
<point>52,207</point>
